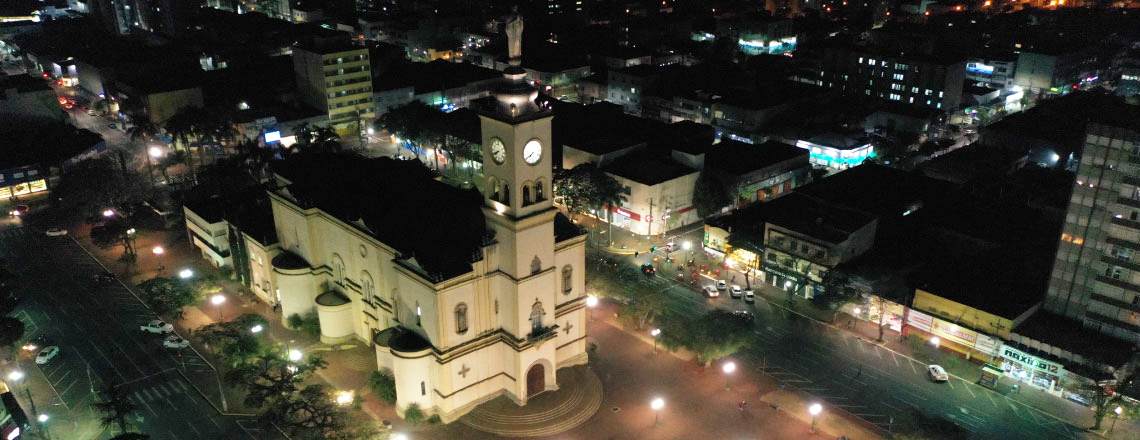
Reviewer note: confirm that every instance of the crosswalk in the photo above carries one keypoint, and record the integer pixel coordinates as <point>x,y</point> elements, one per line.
<point>157,391</point>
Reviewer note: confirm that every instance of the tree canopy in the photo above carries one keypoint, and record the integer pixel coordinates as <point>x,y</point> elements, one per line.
<point>587,187</point>
<point>11,331</point>
<point>93,185</point>
<point>167,296</point>
<point>115,232</point>
<point>234,340</point>
<point>718,334</point>
<point>710,195</point>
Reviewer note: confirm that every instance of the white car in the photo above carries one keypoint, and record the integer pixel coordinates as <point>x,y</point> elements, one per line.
<point>175,341</point>
<point>711,292</point>
<point>749,297</point>
<point>157,326</point>
<point>55,232</point>
<point>736,291</point>
<point>937,373</point>
<point>721,285</point>
<point>47,354</point>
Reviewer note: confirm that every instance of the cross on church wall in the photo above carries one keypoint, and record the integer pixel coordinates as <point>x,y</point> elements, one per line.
<point>463,371</point>
<point>568,327</point>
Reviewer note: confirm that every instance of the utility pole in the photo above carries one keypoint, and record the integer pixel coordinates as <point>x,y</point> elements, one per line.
<point>649,233</point>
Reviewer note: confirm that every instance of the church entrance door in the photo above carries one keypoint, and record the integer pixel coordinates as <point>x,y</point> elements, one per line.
<point>535,380</point>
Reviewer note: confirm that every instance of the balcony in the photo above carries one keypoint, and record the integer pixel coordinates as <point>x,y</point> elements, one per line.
<point>1118,283</point>
<point>1116,302</point>
<point>1131,180</point>
<point>537,336</point>
<point>1128,202</point>
<point>1118,262</point>
<point>1126,223</point>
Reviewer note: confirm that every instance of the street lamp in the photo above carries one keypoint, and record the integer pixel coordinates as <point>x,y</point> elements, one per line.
<point>217,301</point>
<point>158,250</point>
<point>16,375</point>
<point>256,329</point>
<point>108,212</point>
<point>591,302</point>
<point>42,418</point>
<point>1116,414</point>
<point>656,332</point>
<point>814,409</point>
<point>399,437</point>
<point>657,404</point>
<point>935,341</point>
<point>344,398</point>
<point>728,368</point>
<point>155,152</point>
<point>295,355</point>
<point>185,273</point>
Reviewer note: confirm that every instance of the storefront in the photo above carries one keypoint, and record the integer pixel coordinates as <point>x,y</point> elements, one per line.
<point>23,188</point>
<point>873,308</point>
<point>1040,373</point>
<point>954,337</point>
<point>625,219</point>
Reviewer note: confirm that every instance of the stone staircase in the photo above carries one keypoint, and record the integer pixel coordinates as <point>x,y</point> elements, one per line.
<point>579,396</point>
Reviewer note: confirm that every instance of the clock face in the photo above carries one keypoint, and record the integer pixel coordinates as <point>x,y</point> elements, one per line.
<point>498,151</point>
<point>532,152</point>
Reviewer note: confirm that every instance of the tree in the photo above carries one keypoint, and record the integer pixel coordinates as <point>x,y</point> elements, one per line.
<point>710,195</point>
<point>11,331</point>
<point>751,240</point>
<point>384,385</point>
<point>606,194</point>
<point>413,414</point>
<point>93,185</point>
<point>837,293</point>
<point>171,159</point>
<point>311,413</point>
<point>116,407</point>
<point>406,121</point>
<point>269,377</point>
<point>718,334</point>
<point>234,340</point>
<point>115,232</point>
<point>1102,398</point>
<point>168,296</point>
<point>142,129</point>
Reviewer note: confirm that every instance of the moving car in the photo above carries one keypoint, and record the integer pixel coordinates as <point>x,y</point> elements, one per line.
<point>55,232</point>
<point>648,269</point>
<point>175,341</point>
<point>47,354</point>
<point>743,314</point>
<point>19,210</point>
<point>749,297</point>
<point>157,326</point>
<point>736,291</point>
<point>721,285</point>
<point>937,373</point>
<point>711,292</point>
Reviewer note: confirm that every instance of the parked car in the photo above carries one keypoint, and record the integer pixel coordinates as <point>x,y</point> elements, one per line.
<point>19,210</point>
<point>743,314</point>
<point>749,297</point>
<point>736,291</point>
<point>112,125</point>
<point>104,279</point>
<point>937,373</point>
<point>55,232</point>
<point>648,269</point>
<point>157,326</point>
<point>721,285</point>
<point>711,292</point>
<point>175,341</point>
<point>47,354</point>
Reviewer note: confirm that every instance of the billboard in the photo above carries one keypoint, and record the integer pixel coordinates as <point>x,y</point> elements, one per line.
<point>953,332</point>
<point>919,320</point>
<point>272,136</point>
<point>983,69</point>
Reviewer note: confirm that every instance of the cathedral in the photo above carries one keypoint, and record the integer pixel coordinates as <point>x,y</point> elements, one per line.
<point>465,295</point>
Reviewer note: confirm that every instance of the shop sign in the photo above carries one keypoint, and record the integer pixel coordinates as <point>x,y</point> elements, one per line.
<point>986,344</point>
<point>954,332</point>
<point>627,214</point>
<point>918,320</point>
<point>1028,361</point>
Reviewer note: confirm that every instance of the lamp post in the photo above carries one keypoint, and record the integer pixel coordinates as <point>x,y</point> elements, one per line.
<point>158,251</point>
<point>153,153</point>
<point>185,273</point>
<point>935,341</point>
<point>657,404</point>
<point>814,409</point>
<point>591,302</point>
<point>655,332</point>
<point>256,329</point>
<point>1115,415</point>
<point>295,355</point>
<point>217,301</point>
<point>399,437</point>
<point>728,368</point>
<point>688,245</point>
<point>344,398</point>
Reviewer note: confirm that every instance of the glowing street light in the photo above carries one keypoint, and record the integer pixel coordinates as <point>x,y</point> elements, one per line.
<point>156,152</point>
<point>591,302</point>
<point>1116,414</point>
<point>657,404</point>
<point>295,355</point>
<point>256,329</point>
<point>935,341</point>
<point>15,376</point>
<point>217,301</point>
<point>344,398</point>
<point>399,437</point>
<point>42,418</point>
<point>185,273</point>
<point>655,332</point>
<point>158,250</point>
<point>108,212</point>
<point>814,409</point>
<point>728,368</point>
<point>687,245</point>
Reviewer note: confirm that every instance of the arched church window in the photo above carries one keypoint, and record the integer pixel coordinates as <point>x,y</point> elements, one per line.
<point>505,194</point>
<point>369,289</point>
<point>493,188</point>
<point>538,194</point>
<point>525,194</point>
<point>461,318</point>
<point>567,279</point>
<point>536,314</point>
<point>338,269</point>
<point>535,265</point>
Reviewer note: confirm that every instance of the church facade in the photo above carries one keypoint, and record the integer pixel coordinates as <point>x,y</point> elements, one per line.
<point>463,296</point>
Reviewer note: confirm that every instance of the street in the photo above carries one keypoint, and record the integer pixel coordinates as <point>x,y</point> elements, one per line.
<point>97,330</point>
<point>856,375</point>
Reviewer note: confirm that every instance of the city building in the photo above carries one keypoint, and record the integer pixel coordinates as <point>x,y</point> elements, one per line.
<point>837,152</point>
<point>27,95</point>
<point>36,151</point>
<point>658,193</point>
<point>757,173</point>
<point>758,33</point>
<point>1055,68</point>
<point>931,79</point>
<point>1094,279</point>
<point>440,84</point>
<point>626,86</point>
<point>475,296</point>
<point>335,76</point>
<point>994,70</point>
<point>156,97</point>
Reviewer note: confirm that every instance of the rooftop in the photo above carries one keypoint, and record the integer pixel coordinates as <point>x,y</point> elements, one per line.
<point>445,235</point>
<point>814,217</point>
<point>599,128</point>
<point>435,76</point>
<point>22,83</point>
<point>648,169</point>
<point>879,190</point>
<point>1070,335</point>
<point>47,142</point>
<point>740,158</point>
<point>991,280</point>
<point>838,141</point>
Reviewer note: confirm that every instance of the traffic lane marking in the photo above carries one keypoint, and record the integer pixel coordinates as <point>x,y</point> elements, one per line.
<point>967,387</point>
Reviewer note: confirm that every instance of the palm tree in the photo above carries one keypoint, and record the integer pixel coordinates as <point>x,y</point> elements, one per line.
<point>142,129</point>
<point>607,192</point>
<point>116,407</point>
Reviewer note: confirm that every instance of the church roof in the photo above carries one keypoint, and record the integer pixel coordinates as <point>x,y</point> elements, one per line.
<point>398,202</point>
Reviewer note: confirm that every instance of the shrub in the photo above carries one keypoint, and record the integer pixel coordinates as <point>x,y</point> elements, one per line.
<point>295,321</point>
<point>311,325</point>
<point>434,419</point>
<point>384,385</point>
<point>413,414</point>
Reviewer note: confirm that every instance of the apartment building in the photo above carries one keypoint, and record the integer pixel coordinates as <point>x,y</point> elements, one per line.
<point>920,79</point>
<point>1096,275</point>
<point>334,76</point>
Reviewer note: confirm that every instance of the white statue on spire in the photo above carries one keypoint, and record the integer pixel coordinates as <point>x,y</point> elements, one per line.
<point>514,28</point>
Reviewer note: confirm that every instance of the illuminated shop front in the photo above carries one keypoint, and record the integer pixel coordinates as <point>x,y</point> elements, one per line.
<point>23,188</point>
<point>1040,373</point>
<point>880,311</point>
<point>953,337</point>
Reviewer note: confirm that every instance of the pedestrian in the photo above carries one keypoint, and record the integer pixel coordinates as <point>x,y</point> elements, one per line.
<point>859,373</point>
<point>734,278</point>
<point>741,406</point>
